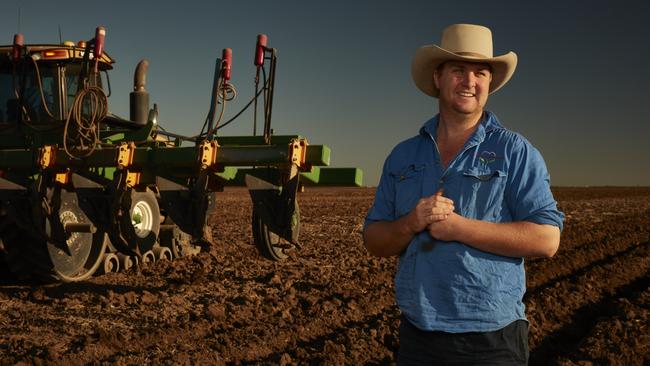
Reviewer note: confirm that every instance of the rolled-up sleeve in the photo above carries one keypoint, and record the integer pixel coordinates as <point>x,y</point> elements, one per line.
<point>529,195</point>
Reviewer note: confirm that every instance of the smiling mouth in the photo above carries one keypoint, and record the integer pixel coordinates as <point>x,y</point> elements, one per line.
<point>466,94</point>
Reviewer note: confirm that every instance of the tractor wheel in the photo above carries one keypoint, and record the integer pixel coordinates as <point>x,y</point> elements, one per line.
<point>85,251</point>
<point>145,218</point>
<point>30,255</point>
<point>269,244</point>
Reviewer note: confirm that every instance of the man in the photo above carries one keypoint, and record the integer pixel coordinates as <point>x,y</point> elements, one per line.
<point>462,203</point>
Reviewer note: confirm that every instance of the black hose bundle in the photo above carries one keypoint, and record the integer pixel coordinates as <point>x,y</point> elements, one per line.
<point>81,132</point>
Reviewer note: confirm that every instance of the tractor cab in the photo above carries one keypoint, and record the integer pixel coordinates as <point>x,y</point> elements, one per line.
<point>38,83</point>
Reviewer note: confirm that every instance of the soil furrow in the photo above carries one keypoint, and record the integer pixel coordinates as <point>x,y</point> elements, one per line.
<point>623,335</point>
<point>579,301</point>
<point>583,320</point>
<point>567,268</point>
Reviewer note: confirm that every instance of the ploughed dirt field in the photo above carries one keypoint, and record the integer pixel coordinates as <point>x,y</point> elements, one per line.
<point>331,303</point>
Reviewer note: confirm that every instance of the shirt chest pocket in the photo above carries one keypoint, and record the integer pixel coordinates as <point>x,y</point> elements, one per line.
<point>482,193</point>
<point>408,187</point>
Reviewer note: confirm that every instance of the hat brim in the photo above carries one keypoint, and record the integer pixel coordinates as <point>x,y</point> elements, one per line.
<point>428,58</point>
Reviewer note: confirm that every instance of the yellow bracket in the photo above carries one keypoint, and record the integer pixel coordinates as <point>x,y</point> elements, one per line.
<point>132,179</point>
<point>208,154</point>
<point>125,155</point>
<point>63,178</point>
<point>46,156</point>
<point>298,153</point>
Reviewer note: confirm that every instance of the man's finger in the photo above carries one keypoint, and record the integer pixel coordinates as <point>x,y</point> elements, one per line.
<point>438,217</point>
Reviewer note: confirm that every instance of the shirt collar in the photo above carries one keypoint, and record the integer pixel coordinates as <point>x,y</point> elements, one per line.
<point>488,123</point>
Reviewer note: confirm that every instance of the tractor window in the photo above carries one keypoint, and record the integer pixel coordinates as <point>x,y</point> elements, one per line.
<point>8,100</point>
<point>34,100</point>
<point>72,82</point>
<point>29,88</point>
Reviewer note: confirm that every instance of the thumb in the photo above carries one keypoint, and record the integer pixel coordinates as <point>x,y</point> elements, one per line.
<point>440,192</point>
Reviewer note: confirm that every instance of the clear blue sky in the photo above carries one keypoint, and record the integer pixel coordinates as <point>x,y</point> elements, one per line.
<point>580,93</point>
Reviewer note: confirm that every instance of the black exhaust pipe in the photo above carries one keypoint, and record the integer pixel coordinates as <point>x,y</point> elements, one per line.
<point>139,97</point>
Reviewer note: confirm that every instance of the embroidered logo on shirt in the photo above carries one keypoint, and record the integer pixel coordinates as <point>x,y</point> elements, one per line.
<point>487,157</point>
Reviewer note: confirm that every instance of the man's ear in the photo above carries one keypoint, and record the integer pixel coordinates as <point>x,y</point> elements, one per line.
<point>435,78</point>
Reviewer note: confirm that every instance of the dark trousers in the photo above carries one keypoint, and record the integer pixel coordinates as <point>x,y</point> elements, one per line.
<point>506,346</point>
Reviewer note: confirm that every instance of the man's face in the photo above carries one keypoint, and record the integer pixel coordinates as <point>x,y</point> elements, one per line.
<point>464,86</point>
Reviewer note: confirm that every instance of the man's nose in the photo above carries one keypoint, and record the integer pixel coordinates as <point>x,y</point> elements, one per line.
<point>469,79</point>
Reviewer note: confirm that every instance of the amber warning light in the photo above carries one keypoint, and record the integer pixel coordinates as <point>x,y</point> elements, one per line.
<point>55,54</point>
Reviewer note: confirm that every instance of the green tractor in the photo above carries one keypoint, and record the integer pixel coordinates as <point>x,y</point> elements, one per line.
<point>82,189</point>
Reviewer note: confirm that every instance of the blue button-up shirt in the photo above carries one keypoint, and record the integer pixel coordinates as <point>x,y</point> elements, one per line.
<point>498,176</point>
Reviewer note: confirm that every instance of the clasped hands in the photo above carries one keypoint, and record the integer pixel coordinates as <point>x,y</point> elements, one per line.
<point>436,215</point>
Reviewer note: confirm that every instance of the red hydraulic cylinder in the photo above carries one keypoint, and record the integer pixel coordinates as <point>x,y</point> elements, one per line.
<point>100,34</point>
<point>259,49</point>
<point>226,62</point>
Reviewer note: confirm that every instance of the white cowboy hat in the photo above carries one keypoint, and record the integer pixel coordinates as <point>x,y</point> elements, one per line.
<point>461,42</point>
